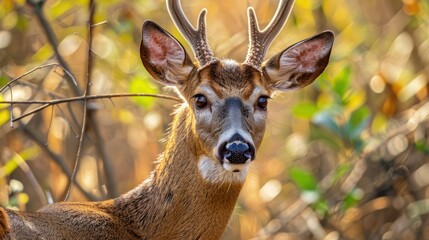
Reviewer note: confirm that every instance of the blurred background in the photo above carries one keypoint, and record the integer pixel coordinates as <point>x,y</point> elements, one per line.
<point>345,158</point>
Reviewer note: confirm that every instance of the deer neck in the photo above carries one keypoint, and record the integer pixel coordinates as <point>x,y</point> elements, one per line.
<point>176,200</point>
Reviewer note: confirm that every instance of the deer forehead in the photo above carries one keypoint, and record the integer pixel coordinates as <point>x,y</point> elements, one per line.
<point>228,78</point>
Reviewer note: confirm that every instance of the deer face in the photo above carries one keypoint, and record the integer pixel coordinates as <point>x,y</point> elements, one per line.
<point>228,100</point>
<point>230,107</point>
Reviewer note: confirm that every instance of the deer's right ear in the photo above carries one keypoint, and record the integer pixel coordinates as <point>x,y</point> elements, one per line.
<point>163,56</point>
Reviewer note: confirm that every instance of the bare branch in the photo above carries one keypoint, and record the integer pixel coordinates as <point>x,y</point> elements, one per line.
<point>11,108</point>
<point>32,179</point>
<point>47,103</point>
<point>56,158</point>
<point>35,69</point>
<point>99,144</point>
<point>85,102</point>
<point>31,112</point>
<point>93,97</point>
<point>52,39</point>
<point>100,23</point>
<point>84,96</point>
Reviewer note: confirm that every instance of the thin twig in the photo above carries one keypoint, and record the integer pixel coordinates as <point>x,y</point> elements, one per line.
<point>50,123</point>
<point>47,103</point>
<point>35,69</point>
<point>52,39</point>
<point>54,43</point>
<point>92,123</point>
<point>31,112</point>
<point>92,97</point>
<point>85,102</point>
<point>100,23</point>
<point>74,130</point>
<point>78,154</point>
<point>44,91</point>
<point>32,179</point>
<point>11,107</point>
<point>57,159</point>
<point>99,144</point>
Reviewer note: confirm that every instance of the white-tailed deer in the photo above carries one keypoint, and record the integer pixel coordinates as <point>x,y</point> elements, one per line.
<point>213,140</point>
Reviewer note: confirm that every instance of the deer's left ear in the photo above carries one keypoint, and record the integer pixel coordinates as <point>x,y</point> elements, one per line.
<point>300,64</point>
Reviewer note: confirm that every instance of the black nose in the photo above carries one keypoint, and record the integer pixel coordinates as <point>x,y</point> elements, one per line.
<point>236,150</point>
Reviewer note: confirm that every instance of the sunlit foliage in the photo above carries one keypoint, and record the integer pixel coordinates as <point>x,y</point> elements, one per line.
<point>345,158</point>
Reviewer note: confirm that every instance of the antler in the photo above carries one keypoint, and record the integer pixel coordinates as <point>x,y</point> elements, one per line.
<point>261,40</point>
<point>196,37</point>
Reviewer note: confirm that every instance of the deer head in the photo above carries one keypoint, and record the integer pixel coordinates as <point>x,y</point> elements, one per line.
<point>228,100</point>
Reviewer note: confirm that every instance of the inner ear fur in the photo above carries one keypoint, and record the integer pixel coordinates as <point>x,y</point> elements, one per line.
<point>300,64</point>
<point>163,56</point>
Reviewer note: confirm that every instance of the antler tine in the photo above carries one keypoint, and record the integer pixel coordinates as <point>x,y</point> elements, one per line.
<point>197,38</point>
<point>261,40</point>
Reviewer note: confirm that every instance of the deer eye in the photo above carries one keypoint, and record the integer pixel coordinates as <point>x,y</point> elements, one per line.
<point>200,101</point>
<point>262,102</point>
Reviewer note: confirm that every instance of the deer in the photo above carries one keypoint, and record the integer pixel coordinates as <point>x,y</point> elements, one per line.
<point>215,133</point>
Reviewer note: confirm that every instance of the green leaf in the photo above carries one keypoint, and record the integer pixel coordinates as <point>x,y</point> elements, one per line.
<point>329,139</point>
<point>3,80</point>
<point>357,122</point>
<point>4,116</point>
<point>305,180</point>
<point>352,198</point>
<point>379,123</point>
<point>140,84</point>
<point>22,23</point>
<point>342,82</point>
<point>341,171</point>
<point>4,112</point>
<point>422,147</point>
<point>304,110</point>
<point>43,53</point>
<point>321,207</point>
<point>322,83</point>
<point>18,199</point>
<point>326,120</point>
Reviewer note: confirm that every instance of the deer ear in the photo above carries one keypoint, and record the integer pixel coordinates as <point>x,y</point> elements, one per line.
<point>300,64</point>
<point>163,56</point>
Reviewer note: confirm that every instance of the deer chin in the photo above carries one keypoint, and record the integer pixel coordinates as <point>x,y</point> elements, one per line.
<point>214,171</point>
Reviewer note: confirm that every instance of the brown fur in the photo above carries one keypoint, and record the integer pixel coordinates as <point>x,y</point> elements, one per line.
<point>4,224</point>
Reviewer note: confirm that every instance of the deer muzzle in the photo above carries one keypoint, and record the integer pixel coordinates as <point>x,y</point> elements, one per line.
<point>235,148</point>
